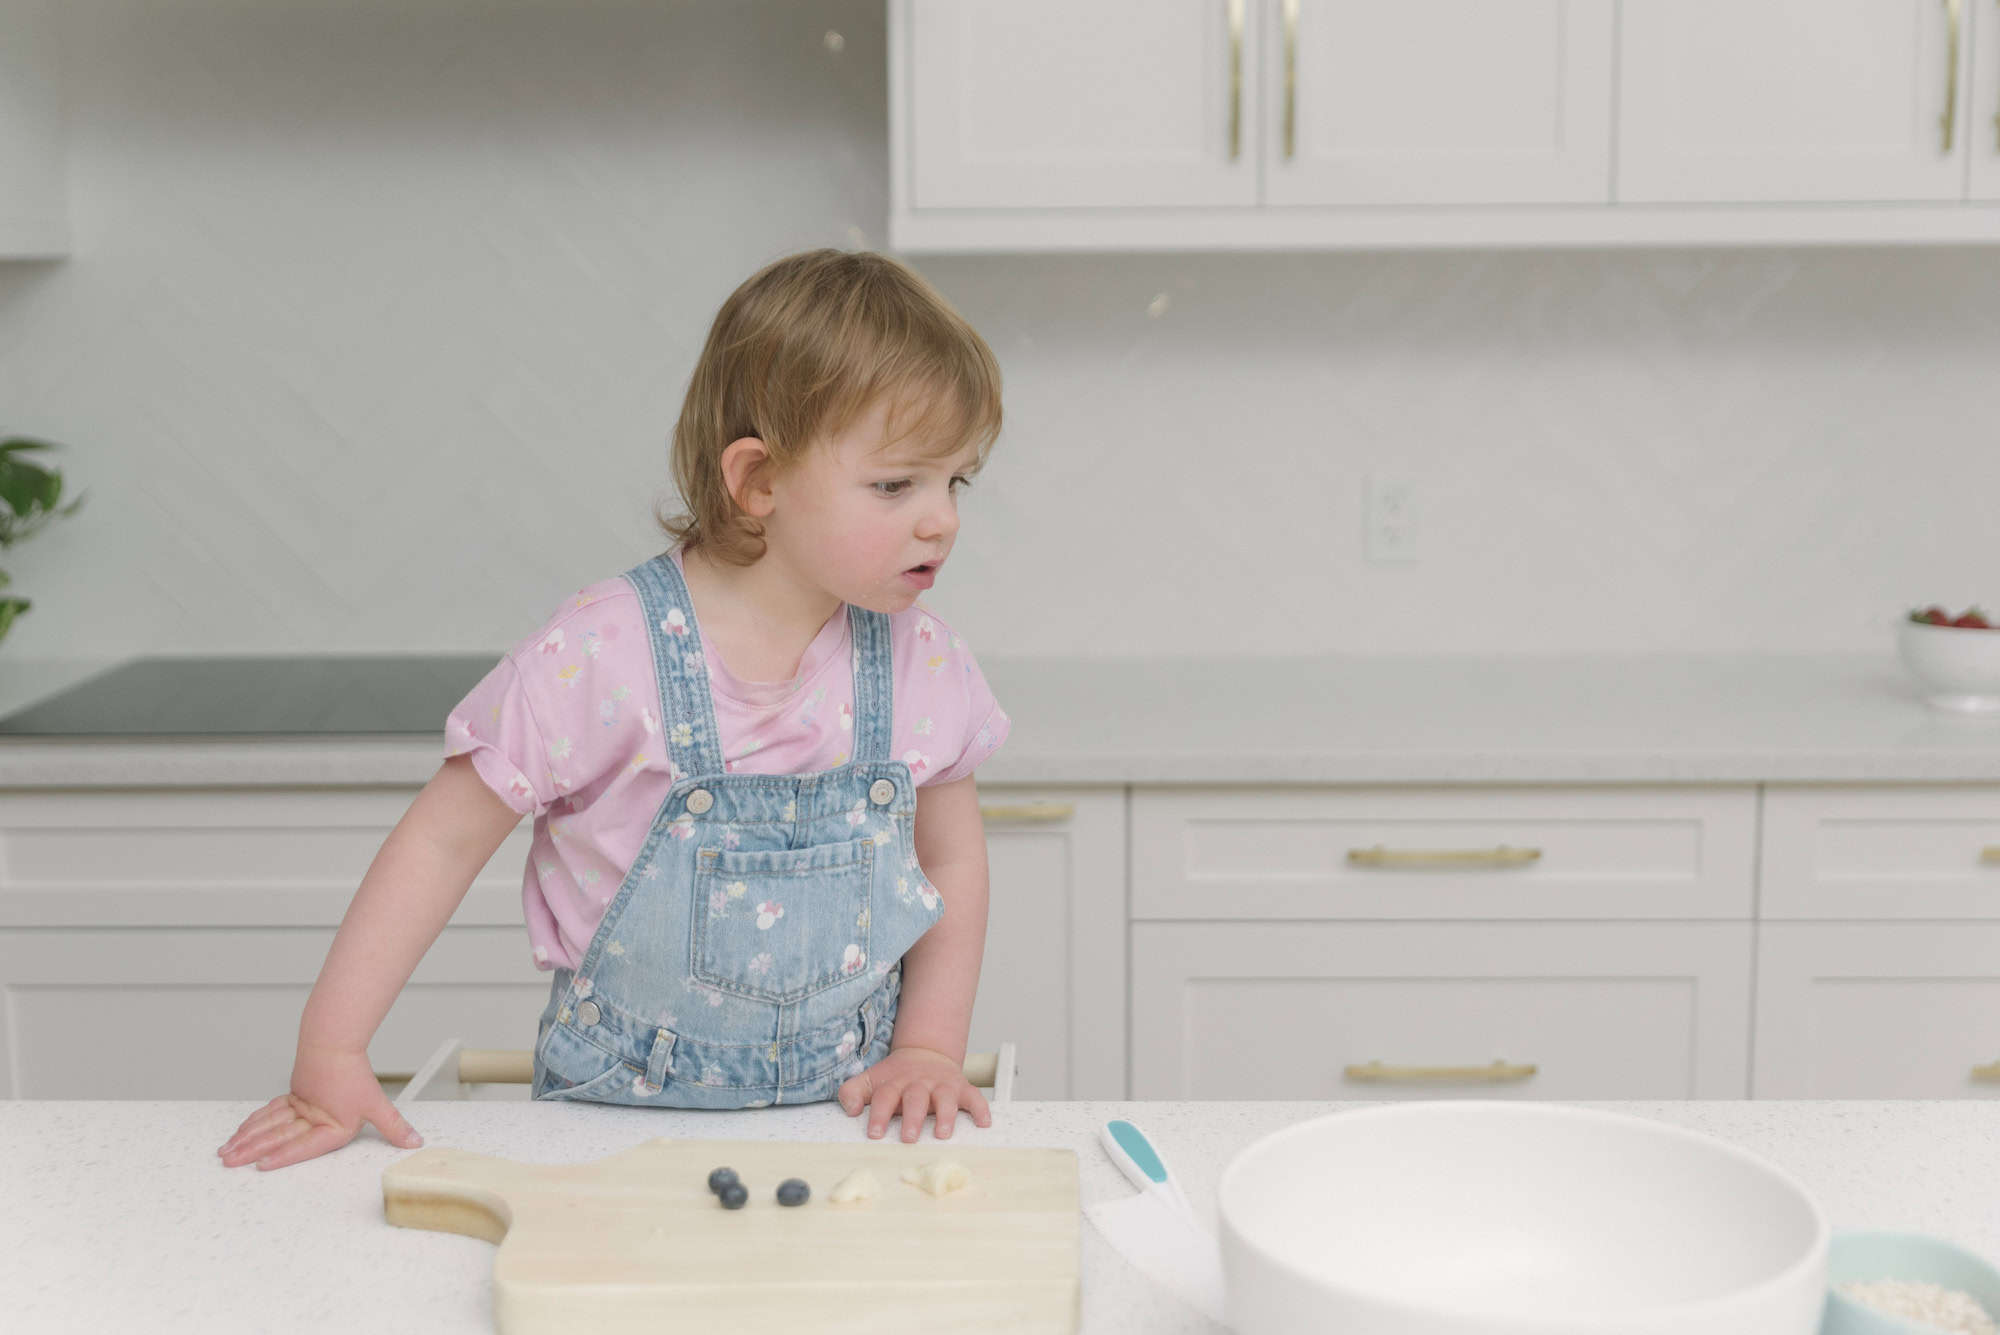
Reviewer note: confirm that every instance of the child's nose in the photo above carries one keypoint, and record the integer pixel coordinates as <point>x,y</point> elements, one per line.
<point>940,522</point>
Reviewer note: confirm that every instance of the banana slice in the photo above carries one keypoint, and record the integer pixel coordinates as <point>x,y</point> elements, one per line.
<point>859,1185</point>
<point>940,1177</point>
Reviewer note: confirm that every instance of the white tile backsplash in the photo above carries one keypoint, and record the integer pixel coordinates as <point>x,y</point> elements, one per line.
<point>380,312</point>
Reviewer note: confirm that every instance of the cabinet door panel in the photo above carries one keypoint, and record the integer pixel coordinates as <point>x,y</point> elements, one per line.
<point>1639,852</point>
<point>1052,981</point>
<point>1788,100</point>
<point>138,1013</point>
<point>1982,124</point>
<point>1452,102</point>
<point>1878,1011</point>
<point>1850,851</point>
<point>1043,104</point>
<point>1319,1010</point>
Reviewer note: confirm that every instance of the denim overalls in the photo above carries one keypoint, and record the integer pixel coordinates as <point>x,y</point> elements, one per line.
<point>753,953</point>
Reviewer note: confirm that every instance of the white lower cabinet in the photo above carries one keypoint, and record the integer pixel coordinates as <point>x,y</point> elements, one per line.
<point>1053,978</point>
<point>1871,852</point>
<point>213,1013</point>
<point>161,943</point>
<point>1878,1010</point>
<point>1287,942</point>
<point>1343,1010</point>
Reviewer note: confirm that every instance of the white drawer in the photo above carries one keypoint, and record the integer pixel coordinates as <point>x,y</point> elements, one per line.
<point>1907,851</point>
<point>215,857</point>
<point>1878,1011</point>
<point>1446,852</point>
<point>213,1013</point>
<point>1327,1010</point>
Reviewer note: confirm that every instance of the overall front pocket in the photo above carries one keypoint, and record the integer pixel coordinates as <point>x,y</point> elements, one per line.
<point>782,924</point>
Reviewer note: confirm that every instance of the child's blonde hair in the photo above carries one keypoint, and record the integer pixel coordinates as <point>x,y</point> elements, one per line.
<point>801,349</point>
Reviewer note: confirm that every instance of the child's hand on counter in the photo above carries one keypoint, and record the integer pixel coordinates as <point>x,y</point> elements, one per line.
<point>916,1080</point>
<point>334,1090</point>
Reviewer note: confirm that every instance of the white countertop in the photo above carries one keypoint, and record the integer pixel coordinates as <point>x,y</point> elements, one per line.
<point>1462,719</point>
<point>118,1216</point>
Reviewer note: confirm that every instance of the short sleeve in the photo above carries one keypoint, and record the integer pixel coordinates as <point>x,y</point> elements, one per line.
<point>566,708</point>
<point>986,723</point>
<point>495,724</point>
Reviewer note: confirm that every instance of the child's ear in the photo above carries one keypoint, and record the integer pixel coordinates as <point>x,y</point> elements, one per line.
<point>746,472</point>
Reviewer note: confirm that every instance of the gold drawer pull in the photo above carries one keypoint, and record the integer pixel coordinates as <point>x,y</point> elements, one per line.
<point>1947,123</point>
<point>1990,853</point>
<point>1990,1071</point>
<point>1027,813</point>
<point>1291,78</point>
<point>496,1066</point>
<point>1235,11</point>
<point>1503,856</point>
<point>1498,1073</point>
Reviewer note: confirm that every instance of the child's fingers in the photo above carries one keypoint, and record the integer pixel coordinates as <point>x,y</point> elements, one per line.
<point>271,1114</point>
<point>884,1104</point>
<point>854,1095</point>
<point>916,1102</point>
<point>390,1122</point>
<point>315,1142</point>
<point>982,1112</point>
<point>947,1113</point>
<point>266,1141</point>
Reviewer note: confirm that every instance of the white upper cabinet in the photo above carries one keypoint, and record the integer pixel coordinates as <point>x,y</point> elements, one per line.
<point>1982,124</point>
<point>1794,100</point>
<point>33,205</point>
<point>1051,104</point>
<point>1448,102</point>
<point>1307,124</point>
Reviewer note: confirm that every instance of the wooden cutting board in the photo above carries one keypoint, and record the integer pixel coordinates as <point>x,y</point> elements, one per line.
<point>638,1242</point>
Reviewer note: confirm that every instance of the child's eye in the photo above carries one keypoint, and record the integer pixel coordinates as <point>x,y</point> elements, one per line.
<point>899,483</point>
<point>961,482</point>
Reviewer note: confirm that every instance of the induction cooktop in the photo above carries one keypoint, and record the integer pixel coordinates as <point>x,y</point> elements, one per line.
<point>326,693</point>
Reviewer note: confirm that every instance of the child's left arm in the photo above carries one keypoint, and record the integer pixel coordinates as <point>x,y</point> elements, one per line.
<point>925,1065</point>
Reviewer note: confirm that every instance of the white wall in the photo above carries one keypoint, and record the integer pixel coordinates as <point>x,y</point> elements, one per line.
<point>380,311</point>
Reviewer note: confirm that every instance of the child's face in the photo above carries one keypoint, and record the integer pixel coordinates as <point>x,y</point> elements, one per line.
<point>855,516</point>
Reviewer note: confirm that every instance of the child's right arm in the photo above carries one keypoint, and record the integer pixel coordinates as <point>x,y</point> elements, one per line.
<point>407,896</point>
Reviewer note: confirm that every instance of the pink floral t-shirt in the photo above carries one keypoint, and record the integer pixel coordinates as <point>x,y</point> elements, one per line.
<point>566,728</point>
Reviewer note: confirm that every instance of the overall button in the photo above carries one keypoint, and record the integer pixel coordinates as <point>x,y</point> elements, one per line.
<point>587,1014</point>
<point>700,800</point>
<point>882,792</point>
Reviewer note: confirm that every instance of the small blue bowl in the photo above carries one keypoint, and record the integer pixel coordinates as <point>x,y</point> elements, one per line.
<point>1868,1257</point>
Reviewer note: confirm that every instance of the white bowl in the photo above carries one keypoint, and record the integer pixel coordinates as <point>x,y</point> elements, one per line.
<point>1959,665</point>
<point>1477,1218</point>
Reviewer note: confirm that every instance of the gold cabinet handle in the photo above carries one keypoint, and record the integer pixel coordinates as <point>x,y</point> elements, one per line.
<point>1990,853</point>
<point>1235,8</point>
<point>1291,77</point>
<point>496,1066</point>
<point>1502,856</point>
<point>1499,1073</point>
<point>1956,10</point>
<point>1026,813</point>
<point>1990,1071</point>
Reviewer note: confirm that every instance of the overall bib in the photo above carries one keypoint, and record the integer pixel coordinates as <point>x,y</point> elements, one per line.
<point>753,953</point>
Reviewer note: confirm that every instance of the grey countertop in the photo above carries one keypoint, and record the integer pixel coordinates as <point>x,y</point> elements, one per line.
<point>1810,718</point>
<point>119,1216</point>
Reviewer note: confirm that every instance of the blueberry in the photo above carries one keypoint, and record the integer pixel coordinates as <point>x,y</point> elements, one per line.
<point>733,1195</point>
<point>721,1176</point>
<point>793,1191</point>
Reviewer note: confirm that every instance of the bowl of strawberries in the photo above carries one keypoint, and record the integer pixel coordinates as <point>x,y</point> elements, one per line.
<point>1957,658</point>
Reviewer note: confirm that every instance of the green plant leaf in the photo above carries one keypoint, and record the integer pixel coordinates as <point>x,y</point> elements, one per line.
<point>32,494</point>
<point>9,609</point>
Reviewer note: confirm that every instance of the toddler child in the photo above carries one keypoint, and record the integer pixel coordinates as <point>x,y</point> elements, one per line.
<point>749,759</point>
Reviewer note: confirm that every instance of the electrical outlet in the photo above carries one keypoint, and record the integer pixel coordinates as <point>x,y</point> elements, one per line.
<point>1391,519</point>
